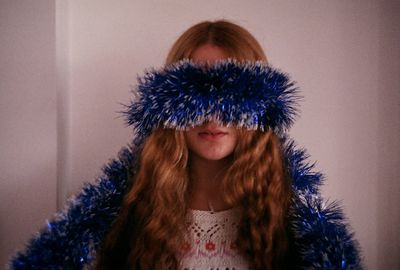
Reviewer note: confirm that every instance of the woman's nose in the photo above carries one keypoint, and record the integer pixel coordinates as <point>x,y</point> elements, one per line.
<point>211,123</point>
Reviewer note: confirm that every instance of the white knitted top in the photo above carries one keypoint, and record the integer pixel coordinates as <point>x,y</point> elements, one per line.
<point>210,241</point>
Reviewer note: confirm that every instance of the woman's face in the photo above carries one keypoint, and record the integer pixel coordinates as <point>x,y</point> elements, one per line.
<point>211,141</point>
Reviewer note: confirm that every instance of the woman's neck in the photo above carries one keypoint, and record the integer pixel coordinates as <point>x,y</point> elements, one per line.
<point>206,183</point>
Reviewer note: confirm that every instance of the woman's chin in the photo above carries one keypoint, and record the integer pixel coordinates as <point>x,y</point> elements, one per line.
<point>212,157</point>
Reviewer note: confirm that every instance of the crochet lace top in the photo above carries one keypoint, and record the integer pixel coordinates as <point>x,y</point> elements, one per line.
<point>210,241</point>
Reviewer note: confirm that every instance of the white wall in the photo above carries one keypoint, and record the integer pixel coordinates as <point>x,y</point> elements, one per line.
<point>388,138</point>
<point>344,56</point>
<point>28,132</point>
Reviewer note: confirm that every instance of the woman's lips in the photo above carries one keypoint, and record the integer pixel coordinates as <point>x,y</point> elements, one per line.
<point>212,134</point>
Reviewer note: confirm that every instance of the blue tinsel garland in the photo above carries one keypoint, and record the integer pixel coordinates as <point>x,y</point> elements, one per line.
<point>251,95</point>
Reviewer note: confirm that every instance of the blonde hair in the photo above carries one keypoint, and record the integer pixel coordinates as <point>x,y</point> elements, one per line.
<point>147,233</point>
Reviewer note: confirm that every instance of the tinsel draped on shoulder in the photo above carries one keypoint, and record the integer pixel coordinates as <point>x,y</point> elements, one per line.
<point>250,95</point>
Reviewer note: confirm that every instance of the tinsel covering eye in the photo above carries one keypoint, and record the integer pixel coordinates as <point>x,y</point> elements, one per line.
<point>252,95</point>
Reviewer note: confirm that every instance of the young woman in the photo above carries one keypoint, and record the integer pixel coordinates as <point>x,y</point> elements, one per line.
<point>211,181</point>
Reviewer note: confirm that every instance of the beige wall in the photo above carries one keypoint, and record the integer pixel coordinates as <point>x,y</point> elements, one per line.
<point>344,56</point>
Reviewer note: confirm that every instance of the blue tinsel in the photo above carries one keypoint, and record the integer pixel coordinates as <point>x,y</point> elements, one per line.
<point>251,95</point>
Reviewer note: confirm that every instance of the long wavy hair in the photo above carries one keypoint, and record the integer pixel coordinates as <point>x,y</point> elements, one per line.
<point>149,229</point>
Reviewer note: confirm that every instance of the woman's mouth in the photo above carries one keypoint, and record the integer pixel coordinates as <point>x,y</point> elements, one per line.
<point>212,134</point>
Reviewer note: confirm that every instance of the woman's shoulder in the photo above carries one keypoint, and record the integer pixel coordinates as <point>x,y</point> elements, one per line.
<point>320,230</point>
<point>70,239</point>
